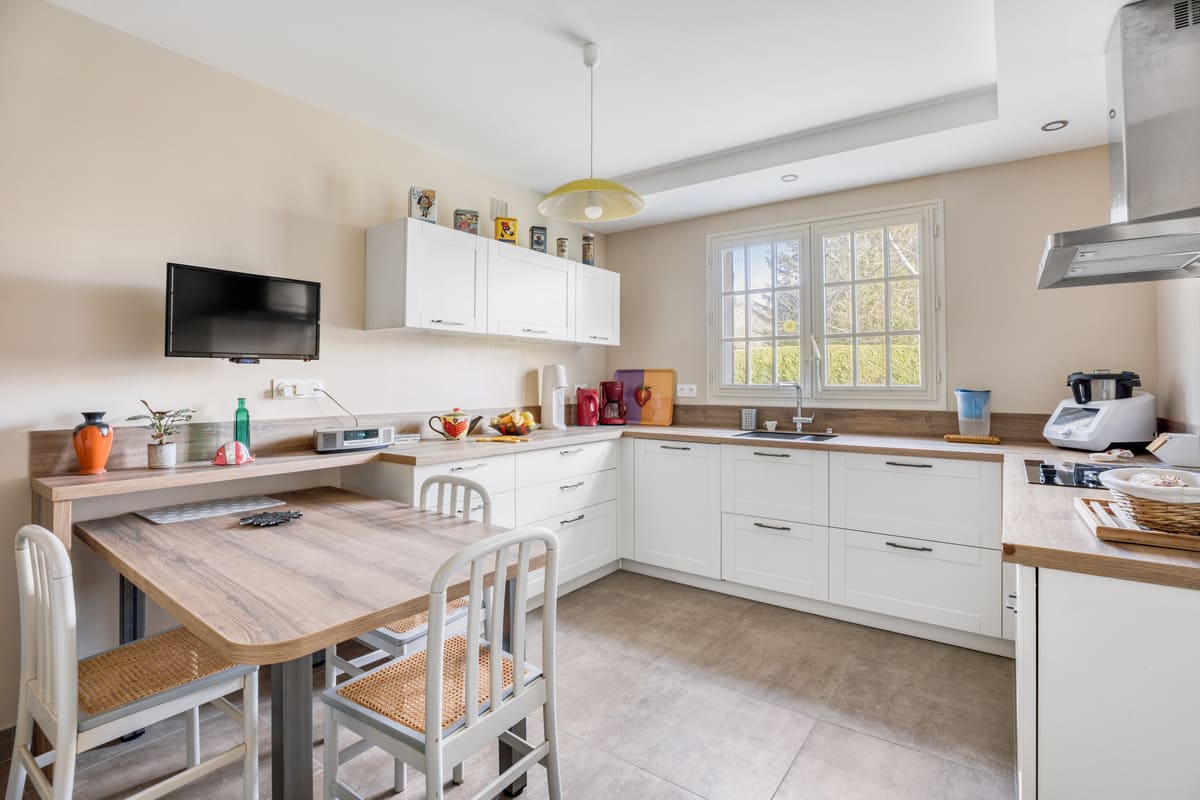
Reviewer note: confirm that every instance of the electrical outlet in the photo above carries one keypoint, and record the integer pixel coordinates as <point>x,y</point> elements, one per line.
<point>297,388</point>
<point>685,390</point>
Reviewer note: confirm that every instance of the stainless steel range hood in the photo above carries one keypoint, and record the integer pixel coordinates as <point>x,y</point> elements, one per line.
<point>1154,156</point>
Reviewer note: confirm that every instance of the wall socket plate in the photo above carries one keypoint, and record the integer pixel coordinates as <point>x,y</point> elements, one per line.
<point>685,390</point>
<point>297,388</point>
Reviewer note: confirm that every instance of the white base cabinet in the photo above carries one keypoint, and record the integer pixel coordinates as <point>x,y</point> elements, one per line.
<point>942,584</point>
<point>587,540</point>
<point>677,509</point>
<point>780,555</point>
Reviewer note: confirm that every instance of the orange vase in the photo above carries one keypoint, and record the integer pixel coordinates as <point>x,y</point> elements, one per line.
<point>93,439</point>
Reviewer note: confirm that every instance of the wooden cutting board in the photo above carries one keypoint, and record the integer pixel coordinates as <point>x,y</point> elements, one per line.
<point>660,408</point>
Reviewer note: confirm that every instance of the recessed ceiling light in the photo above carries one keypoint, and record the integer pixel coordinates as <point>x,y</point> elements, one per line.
<point>1054,125</point>
<point>789,177</point>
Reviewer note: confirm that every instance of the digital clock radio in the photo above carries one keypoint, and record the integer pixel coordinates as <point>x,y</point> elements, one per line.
<point>342,440</point>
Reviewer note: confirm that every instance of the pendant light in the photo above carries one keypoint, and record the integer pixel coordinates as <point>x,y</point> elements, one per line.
<point>591,199</point>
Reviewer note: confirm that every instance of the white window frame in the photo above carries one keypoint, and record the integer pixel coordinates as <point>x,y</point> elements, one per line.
<point>930,395</point>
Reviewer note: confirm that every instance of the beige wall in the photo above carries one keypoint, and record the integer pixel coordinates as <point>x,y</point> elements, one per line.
<point>1001,332</point>
<point>1179,351</point>
<point>117,156</point>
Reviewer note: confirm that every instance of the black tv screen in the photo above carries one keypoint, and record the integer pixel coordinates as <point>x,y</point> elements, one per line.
<point>213,313</point>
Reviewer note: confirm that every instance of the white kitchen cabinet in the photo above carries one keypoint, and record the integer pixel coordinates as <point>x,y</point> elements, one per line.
<point>598,306</point>
<point>940,499</point>
<point>587,541</point>
<point>776,554</point>
<point>529,294</point>
<point>775,482</point>
<point>677,510</point>
<point>542,466</point>
<point>423,276</point>
<point>1008,588</point>
<point>942,584</point>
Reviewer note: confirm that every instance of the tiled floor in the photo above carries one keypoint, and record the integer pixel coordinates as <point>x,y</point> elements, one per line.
<point>672,692</point>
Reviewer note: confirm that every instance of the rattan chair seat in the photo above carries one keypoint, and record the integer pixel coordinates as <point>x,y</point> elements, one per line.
<point>421,620</point>
<point>397,691</point>
<point>144,668</point>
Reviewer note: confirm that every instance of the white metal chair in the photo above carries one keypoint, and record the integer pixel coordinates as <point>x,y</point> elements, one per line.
<point>396,706</point>
<point>402,636</point>
<point>80,705</point>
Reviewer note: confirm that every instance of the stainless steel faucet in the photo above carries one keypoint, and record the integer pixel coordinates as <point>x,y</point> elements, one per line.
<point>800,420</point>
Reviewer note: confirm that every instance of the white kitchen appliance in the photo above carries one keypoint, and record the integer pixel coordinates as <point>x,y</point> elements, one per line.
<point>1100,424</point>
<point>554,397</point>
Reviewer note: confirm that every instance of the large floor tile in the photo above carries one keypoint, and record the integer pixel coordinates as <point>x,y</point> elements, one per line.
<point>839,764</point>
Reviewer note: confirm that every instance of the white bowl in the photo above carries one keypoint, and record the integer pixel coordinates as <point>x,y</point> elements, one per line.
<point>1118,479</point>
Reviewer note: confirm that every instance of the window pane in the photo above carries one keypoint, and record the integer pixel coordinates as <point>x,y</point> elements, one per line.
<point>837,257</point>
<point>839,362</point>
<point>734,325</point>
<point>905,299</point>
<point>872,361</point>
<point>762,363</point>
<point>870,312</point>
<point>760,266</point>
<point>787,263</point>
<point>787,312</point>
<point>839,314</point>
<point>904,249</point>
<point>762,321</point>
<point>868,254</point>
<point>789,355</point>
<point>906,360</point>
<point>733,270</point>
<point>734,358</point>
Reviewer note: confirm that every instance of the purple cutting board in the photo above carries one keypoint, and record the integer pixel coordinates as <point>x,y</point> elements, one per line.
<point>660,408</point>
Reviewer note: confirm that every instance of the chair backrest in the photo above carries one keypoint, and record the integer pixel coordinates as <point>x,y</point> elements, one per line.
<point>49,664</point>
<point>491,554</point>
<point>449,489</point>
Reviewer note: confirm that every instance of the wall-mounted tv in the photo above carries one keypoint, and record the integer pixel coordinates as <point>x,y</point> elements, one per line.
<point>214,313</point>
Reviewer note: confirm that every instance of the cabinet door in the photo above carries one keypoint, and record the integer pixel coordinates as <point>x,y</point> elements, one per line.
<point>677,510</point>
<point>775,554</point>
<point>942,584</point>
<point>530,294</point>
<point>774,482</point>
<point>446,279</point>
<point>598,306</point>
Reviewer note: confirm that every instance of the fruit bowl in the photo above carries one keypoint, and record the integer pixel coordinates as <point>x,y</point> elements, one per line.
<point>512,428</point>
<point>514,423</point>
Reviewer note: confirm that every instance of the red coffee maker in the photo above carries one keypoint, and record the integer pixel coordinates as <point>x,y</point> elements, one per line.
<point>613,411</point>
<point>587,406</point>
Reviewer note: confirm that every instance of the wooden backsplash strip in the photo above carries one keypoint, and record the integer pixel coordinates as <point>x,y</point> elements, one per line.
<point>51,452</point>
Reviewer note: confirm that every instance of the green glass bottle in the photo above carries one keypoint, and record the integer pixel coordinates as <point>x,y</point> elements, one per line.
<point>241,423</point>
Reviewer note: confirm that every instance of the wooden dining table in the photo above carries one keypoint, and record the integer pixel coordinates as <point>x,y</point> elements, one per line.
<point>276,595</point>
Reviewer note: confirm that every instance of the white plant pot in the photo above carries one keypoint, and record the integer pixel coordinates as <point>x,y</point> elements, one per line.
<point>160,456</point>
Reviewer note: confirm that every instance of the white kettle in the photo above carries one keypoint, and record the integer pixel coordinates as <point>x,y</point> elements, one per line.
<point>1177,449</point>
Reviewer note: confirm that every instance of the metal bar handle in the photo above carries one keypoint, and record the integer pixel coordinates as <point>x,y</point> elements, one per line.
<point>903,464</point>
<point>570,452</point>
<point>910,547</point>
<point>599,338</point>
<point>533,330</point>
<point>469,466</point>
<point>773,455</point>
<point>571,485</point>
<point>447,322</point>
<point>572,519</point>
<point>673,447</point>
<point>772,527</point>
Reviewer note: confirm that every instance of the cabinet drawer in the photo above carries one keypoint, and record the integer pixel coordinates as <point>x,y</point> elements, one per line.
<point>563,495</point>
<point>544,466</point>
<point>774,482</point>
<point>587,540</point>
<point>940,499</point>
<point>496,474</point>
<point>774,554</point>
<point>942,584</point>
<point>504,509</point>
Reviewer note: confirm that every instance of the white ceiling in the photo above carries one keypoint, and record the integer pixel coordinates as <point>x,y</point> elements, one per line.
<point>700,105</point>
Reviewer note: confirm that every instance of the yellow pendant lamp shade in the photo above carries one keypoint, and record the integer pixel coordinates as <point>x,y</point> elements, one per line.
<point>591,199</point>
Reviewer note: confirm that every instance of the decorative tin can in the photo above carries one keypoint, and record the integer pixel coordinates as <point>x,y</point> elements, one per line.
<point>589,249</point>
<point>561,249</point>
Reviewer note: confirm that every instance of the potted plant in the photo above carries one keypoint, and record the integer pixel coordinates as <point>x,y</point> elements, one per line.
<point>160,454</point>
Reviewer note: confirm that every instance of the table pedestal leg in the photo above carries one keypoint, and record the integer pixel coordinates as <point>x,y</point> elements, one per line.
<point>291,729</point>
<point>507,756</point>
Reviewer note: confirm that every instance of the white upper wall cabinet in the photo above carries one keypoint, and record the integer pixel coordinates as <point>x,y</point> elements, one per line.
<point>530,294</point>
<point>424,276</point>
<point>598,306</point>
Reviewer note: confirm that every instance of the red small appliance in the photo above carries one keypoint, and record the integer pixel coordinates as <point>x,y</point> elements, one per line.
<point>613,412</point>
<point>587,407</point>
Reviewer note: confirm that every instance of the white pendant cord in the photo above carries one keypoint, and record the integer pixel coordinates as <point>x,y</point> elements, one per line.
<point>591,122</point>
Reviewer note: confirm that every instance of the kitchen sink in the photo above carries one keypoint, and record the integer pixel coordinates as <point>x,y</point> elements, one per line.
<point>787,436</point>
